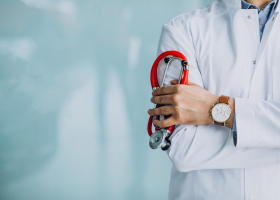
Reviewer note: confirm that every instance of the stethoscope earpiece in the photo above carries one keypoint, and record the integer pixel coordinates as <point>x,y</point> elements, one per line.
<point>166,60</point>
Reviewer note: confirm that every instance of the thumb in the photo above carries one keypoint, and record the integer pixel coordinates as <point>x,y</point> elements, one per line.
<point>174,82</point>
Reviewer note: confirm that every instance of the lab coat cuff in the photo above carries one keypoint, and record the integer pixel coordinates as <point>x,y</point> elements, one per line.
<point>234,131</point>
<point>246,116</point>
<point>257,123</point>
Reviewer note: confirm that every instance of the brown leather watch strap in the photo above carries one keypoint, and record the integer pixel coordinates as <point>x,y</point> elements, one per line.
<point>220,124</point>
<point>222,99</point>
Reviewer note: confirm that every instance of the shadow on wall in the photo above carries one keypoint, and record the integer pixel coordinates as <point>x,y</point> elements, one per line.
<point>74,92</point>
<point>44,60</point>
<point>34,84</point>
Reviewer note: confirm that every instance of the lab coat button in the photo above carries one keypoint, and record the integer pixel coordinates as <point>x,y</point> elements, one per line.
<point>249,16</point>
<point>254,62</point>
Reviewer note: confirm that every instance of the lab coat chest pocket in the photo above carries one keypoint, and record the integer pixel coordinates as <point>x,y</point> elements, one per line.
<point>276,83</point>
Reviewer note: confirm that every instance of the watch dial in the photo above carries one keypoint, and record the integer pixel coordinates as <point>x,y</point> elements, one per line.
<point>221,112</point>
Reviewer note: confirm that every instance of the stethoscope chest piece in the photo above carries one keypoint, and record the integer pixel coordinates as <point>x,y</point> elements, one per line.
<point>158,139</point>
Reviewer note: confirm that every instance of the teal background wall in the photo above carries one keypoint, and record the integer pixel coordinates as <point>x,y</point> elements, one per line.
<point>74,94</point>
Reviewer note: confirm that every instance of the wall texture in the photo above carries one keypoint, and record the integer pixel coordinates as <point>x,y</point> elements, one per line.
<point>74,94</point>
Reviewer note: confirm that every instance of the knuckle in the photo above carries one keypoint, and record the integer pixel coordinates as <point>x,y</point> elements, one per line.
<point>179,117</point>
<point>175,98</point>
<point>156,112</point>
<point>163,89</point>
<point>161,99</point>
<point>177,110</point>
<point>175,88</point>
<point>175,116</point>
<point>165,110</point>
<point>164,123</point>
<point>161,110</point>
<point>178,88</point>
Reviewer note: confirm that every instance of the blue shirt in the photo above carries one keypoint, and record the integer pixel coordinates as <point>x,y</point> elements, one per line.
<point>264,15</point>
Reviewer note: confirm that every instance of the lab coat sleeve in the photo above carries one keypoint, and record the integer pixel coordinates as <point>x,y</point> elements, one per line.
<point>207,146</point>
<point>257,123</point>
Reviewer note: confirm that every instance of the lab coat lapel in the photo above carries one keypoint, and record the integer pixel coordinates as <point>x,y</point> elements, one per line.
<point>261,74</point>
<point>267,31</point>
<point>245,40</point>
<point>240,33</point>
<point>247,28</point>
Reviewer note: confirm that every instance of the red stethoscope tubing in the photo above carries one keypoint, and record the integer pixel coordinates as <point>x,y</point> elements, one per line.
<point>154,82</point>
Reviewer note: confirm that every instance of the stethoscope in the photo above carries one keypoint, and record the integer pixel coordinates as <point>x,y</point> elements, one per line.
<point>160,138</point>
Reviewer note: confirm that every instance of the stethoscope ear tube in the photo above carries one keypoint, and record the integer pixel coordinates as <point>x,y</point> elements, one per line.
<point>168,57</point>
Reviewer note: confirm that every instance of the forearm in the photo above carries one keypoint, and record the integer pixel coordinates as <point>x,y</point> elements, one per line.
<point>211,147</point>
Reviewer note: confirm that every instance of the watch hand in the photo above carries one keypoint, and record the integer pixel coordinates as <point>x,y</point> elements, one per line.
<point>222,112</point>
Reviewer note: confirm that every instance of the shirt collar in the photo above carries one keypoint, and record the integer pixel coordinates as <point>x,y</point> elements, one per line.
<point>246,5</point>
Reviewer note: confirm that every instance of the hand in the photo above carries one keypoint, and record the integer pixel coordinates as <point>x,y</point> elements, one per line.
<point>187,104</point>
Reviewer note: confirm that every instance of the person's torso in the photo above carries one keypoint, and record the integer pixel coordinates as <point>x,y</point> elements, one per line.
<point>233,62</point>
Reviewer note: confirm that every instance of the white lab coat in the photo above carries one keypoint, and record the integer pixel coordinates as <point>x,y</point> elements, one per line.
<point>225,55</point>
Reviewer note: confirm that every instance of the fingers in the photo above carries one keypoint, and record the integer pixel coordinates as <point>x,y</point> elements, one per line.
<point>171,89</point>
<point>164,110</point>
<point>165,123</point>
<point>174,82</point>
<point>165,99</point>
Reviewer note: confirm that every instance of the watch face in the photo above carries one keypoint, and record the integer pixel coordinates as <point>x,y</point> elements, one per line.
<point>221,112</point>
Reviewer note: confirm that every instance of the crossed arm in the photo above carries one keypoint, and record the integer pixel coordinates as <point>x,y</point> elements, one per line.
<point>187,104</point>
<point>199,144</point>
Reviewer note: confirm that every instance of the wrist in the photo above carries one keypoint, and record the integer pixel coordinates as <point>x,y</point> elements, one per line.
<point>229,122</point>
<point>223,111</point>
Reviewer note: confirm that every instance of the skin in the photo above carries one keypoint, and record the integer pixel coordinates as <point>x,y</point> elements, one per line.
<point>260,3</point>
<point>190,104</point>
<point>187,104</point>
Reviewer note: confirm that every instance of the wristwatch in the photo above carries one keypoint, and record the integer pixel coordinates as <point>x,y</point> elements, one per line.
<point>221,111</point>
